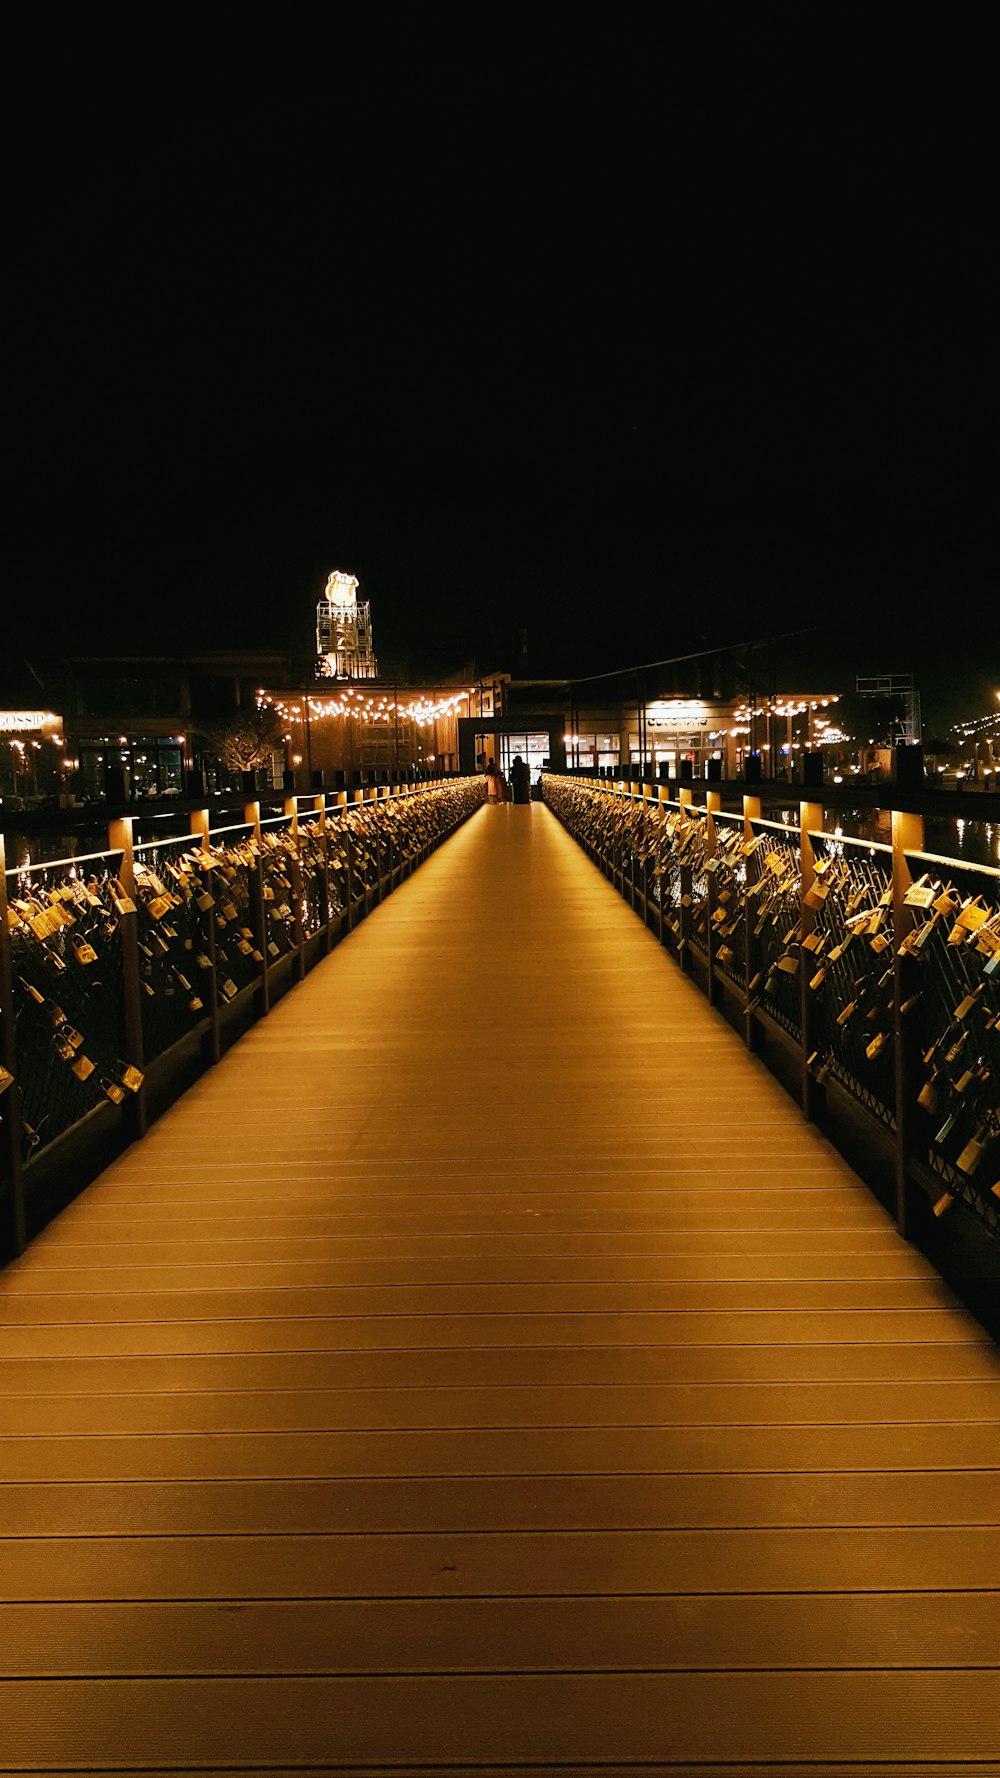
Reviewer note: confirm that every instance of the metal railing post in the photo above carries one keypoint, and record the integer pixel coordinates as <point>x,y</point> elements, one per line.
<point>713,802</point>
<point>662,798</point>
<point>628,850</point>
<point>650,805</point>
<point>395,856</point>
<point>376,842</point>
<point>686,889</point>
<point>751,943</point>
<point>907,836</point>
<point>251,818</point>
<point>810,820</point>
<point>319,810</point>
<point>353,797</point>
<point>200,832</point>
<point>388,833</point>
<point>14,1231</point>
<point>347,847</point>
<point>292,816</point>
<point>120,839</point>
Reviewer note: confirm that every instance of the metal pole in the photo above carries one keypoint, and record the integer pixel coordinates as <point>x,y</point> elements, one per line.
<point>810,821</point>
<point>907,836</point>
<point>14,1233</point>
<point>120,840</point>
<point>251,817</point>
<point>292,815</point>
<point>200,831</point>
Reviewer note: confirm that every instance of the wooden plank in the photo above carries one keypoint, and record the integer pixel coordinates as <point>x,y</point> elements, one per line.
<point>451,1146</point>
<point>910,1716</point>
<point>686,1215</point>
<point>488,1301</point>
<point>495,1407</point>
<point>656,1200</point>
<point>497,1503</point>
<point>222,1273</point>
<point>474,1564</point>
<point>320,1333</point>
<point>313,1636</point>
<point>264,1237</point>
<point>437,1176</point>
<point>509,1366</point>
<point>592,1451</point>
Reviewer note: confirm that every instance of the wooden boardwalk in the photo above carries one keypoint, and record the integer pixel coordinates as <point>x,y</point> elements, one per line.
<point>485,1367</point>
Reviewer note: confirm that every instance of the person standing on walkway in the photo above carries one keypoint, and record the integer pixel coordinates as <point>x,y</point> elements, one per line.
<point>520,780</point>
<point>492,781</point>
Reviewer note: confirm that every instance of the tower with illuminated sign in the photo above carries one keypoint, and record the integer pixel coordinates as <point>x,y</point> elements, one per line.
<point>344,631</point>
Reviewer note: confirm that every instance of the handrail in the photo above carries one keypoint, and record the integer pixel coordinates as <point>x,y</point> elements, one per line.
<point>233,827</point>
<point>16,870</point>
<point>879,987</point>
<point>173,839</point>
<point>110,983</point>
<point>989,870</point>
<point>849,839</point>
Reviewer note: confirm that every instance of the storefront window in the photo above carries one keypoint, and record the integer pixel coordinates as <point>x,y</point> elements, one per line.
<point>170,764</point>
<point>152,767</point>
<point>91,772</point>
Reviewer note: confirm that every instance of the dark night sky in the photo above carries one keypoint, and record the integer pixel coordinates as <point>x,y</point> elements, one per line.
<point>642,340</point>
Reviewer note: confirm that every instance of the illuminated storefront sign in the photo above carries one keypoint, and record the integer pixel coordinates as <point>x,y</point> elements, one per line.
<point>677,714</point>
<point>26,722</point>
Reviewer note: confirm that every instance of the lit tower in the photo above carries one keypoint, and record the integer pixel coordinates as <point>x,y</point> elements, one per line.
<point>344,631</point>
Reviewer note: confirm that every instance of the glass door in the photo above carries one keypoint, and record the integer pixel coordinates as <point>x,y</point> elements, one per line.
<point>533,748</point>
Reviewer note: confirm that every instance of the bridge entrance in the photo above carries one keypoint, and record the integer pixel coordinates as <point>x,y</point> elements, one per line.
<point>537,738</point>
<point>533,746</point>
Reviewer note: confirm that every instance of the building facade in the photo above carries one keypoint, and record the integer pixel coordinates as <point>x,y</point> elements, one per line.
<point>92,728</point>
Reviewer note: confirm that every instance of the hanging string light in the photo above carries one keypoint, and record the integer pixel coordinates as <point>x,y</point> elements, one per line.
<point>366,706</point>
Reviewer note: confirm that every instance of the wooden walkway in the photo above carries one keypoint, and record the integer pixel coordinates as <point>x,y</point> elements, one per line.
<point>485,1367</point>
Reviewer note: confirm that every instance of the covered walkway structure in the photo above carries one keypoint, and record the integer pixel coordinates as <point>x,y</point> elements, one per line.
<point>485,1367</point>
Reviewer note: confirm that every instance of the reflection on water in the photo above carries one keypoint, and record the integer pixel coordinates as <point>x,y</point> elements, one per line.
<point>43,848</point>
<point>978,842</point>
<point>975,842</point>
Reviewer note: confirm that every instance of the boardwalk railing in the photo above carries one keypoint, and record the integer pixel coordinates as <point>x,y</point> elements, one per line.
<point>114,962</point>
<point>875,967</point>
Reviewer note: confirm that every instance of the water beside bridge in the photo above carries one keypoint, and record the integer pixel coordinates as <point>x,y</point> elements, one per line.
<point>973,842</point>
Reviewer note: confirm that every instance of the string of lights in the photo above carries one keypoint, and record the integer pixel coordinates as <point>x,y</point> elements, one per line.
<point>365,706</point>
<point>979,728</point>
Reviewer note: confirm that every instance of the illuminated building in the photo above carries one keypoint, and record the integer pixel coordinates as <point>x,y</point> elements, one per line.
<point>344,631</point>
<point>32,757</point>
